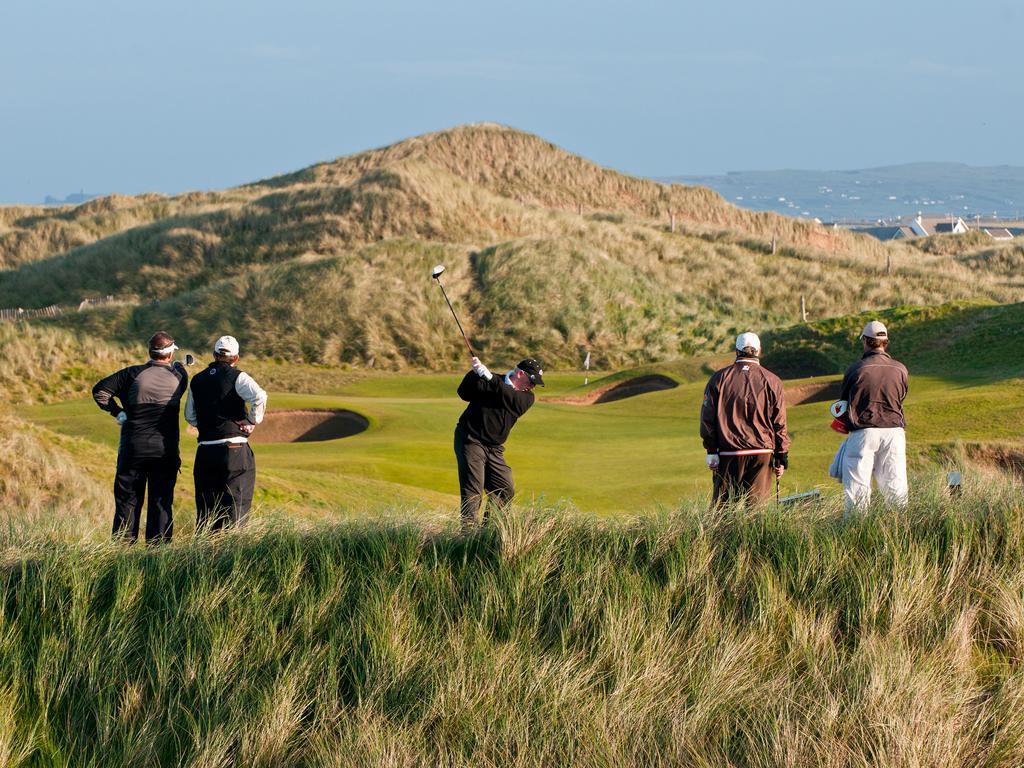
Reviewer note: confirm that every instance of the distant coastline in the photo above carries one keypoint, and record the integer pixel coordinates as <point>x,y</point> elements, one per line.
<point>875,194</point>
<point>75,198</point>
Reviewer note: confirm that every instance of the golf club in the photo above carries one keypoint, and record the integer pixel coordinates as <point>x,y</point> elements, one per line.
<point>436,274</point>
<point>189,360</point>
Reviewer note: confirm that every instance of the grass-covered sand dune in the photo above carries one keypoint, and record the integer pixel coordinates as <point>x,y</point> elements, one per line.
<point>690,638</point>
<point>546,252</point>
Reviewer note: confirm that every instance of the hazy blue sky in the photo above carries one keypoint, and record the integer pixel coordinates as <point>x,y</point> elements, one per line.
<point>133,96</point>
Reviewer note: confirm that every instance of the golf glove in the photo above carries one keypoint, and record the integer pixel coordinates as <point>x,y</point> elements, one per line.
<point>713,461</point>
<point>481,369</point>
<point>780,463</point>
<point>122,417</point>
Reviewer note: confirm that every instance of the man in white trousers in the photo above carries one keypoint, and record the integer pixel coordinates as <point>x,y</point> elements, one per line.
<point>874,389</point>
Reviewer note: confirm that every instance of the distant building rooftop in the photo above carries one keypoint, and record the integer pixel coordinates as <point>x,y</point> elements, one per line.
<point>886,233</point>
<point>999,233</point>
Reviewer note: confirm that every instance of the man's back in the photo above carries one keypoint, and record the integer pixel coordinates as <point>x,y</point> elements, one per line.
<point>493,409</point>
<point>744,409</point>
<point>218,406</point>
<point>151,397</point>
<point>875,388</point>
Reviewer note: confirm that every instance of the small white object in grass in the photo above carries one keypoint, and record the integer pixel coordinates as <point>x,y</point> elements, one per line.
<point>436,271</point>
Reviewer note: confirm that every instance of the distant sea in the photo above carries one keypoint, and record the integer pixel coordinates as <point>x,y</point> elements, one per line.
<point>872,194</point>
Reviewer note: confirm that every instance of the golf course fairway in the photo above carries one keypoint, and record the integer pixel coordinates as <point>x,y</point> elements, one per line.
<point>628,456</point>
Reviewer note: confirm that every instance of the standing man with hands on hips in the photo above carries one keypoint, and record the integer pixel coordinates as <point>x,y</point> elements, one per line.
<point>743,426</point>
<point>495,403</point>
<point>147,456</point>
<point>225,404</point>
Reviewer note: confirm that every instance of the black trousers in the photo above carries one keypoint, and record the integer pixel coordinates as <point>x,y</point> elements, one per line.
<point>134,476</point>
<point>747,478</point>
<point>225,477</point>
<point>482,468</point>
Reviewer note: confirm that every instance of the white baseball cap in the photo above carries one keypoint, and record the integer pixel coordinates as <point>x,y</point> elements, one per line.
<point>875,330</point>
<point>748,339</point>
<point>227,345</point>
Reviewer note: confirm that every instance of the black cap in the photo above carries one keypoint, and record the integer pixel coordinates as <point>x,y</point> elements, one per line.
<point>531,368</point>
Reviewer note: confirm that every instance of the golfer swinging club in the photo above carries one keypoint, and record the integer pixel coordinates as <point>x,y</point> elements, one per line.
<point>495,403</point>
<point>743,426</point>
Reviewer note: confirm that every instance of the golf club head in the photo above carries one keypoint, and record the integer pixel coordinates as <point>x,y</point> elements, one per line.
<point>189,360</point>
<point>437,271</point>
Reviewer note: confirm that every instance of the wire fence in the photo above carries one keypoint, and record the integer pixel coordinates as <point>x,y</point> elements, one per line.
<point>54,310</point>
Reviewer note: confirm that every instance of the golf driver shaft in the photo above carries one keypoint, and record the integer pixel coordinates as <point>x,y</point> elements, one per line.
<point>464,337</point>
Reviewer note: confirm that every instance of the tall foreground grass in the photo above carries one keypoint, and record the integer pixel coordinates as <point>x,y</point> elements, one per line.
<point>736,638</point>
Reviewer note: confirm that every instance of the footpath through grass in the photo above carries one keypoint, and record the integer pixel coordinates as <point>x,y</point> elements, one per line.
<point>737,638</point>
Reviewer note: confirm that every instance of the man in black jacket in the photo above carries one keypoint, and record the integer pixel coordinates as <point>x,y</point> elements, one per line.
<point>225,404</point>
<point>150,398</point>
<point>495,403</point>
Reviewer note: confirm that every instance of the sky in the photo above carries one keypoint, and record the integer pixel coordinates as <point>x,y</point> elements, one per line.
<point>132,96</point>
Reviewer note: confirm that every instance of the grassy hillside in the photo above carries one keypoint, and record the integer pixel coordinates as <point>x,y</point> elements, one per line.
<point>959,341</point>
<point>756,639</point>
<point>342,250</point>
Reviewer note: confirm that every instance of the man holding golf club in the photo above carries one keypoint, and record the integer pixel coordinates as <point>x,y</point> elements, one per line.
<point>225,405</point>
<point>495,403</point>
<point>873,392</point>
<point>145,400</point>
<point>743,426</point>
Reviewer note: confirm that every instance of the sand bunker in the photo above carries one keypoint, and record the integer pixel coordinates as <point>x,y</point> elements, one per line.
<point>308,426</point>
<point>1008,460</point>
<point>620,390</point>
<point>814,392</point>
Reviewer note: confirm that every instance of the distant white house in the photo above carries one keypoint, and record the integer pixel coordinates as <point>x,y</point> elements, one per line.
<point>923,226</point>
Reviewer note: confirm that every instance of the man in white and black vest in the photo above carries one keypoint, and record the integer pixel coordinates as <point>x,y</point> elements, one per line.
<point>146,401</point>
<point>225,405</point>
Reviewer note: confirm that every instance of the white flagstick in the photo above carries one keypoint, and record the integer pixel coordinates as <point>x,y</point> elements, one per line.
<point>586,367</point>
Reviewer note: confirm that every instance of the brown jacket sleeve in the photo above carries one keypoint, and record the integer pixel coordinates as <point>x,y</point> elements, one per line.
<point>709,416</point>
<point>779,421</point>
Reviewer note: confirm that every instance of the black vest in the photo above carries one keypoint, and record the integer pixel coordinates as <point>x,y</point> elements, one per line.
<point>218,406</point>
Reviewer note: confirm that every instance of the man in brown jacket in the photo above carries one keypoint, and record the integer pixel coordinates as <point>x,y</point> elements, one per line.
<point>874,389</point>
<point>743,426</point>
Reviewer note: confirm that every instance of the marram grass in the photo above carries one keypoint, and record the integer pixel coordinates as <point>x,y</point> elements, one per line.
<point>740,638</point>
